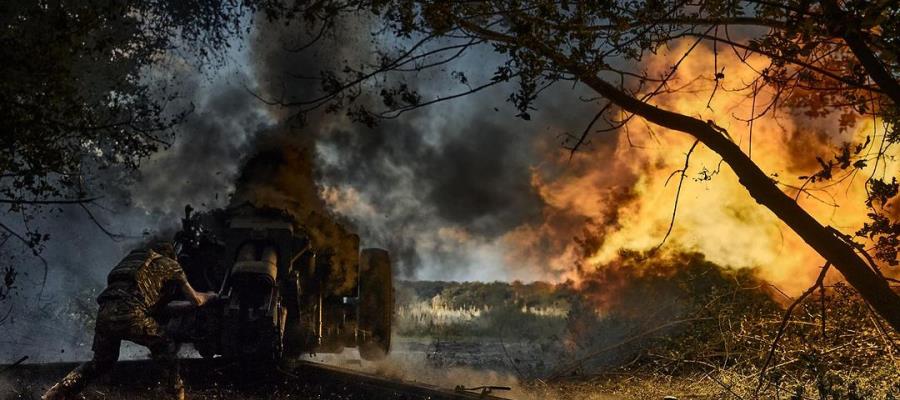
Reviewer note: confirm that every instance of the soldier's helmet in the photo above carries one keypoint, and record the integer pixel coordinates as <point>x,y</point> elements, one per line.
<point>164,247</point>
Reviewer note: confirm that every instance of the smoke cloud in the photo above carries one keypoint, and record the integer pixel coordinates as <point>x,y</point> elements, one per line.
<point>449,189</point>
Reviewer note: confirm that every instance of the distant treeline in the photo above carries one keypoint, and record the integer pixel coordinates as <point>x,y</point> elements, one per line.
<point>485,294</point>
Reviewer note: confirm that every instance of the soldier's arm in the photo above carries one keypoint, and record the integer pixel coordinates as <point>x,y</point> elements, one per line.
<point>179,306</point>
<point>194,297</point>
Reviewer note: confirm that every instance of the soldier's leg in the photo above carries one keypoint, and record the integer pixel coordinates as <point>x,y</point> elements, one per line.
<point>106,353</point>
<point>164,351</point>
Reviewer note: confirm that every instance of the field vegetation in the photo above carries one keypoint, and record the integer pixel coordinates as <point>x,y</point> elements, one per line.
<point>476,309</point>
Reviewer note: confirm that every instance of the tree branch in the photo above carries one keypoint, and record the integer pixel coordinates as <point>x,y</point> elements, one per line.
<point>687,160</point>
<point>53,201</point>
<point>851,35</point>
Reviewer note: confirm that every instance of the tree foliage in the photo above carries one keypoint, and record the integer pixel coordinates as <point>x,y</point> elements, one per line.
<point>79,95</point>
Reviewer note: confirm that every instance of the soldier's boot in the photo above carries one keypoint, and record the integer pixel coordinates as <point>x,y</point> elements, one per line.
<point>72,384</point>
<point>176,392</point>
<point>172,389</point>
<point>172,385</point>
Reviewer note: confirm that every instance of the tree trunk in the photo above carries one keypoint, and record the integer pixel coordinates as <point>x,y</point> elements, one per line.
<point>847,28</point>
<point>872,287</point>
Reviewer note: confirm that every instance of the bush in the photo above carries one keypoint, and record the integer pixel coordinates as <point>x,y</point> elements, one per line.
<point>683,317</point>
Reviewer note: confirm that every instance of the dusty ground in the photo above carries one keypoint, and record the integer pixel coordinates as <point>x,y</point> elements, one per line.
<point>415,361</point>
<point>441,363</point>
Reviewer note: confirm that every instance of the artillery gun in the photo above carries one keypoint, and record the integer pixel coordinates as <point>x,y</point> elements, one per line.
<point>281,294</point>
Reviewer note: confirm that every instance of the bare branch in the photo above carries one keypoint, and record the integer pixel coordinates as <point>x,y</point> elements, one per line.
<point>52,201</point>
<point>683,171</point>
<point>587,130</point>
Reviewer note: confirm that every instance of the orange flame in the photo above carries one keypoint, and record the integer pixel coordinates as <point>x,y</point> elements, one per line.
<point>715,216</point>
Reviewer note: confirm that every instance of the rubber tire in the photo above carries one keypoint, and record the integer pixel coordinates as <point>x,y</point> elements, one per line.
<point>376,303</point>
<point>294,340</point>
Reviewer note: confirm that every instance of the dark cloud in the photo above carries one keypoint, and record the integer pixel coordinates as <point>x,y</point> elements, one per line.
<point>201,166</point>
<point>482,179</point>
<point>479,178</point>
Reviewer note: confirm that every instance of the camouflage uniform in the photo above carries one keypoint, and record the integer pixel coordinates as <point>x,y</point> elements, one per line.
<point>137,288</point>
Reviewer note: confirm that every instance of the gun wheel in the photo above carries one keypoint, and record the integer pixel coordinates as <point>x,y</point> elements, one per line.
<point>376,304</point>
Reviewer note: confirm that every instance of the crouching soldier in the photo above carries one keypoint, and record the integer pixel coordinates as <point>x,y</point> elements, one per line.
<point>138,290</point>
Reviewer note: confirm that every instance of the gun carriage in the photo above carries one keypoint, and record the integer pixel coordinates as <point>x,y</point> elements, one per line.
<point>282,293</point>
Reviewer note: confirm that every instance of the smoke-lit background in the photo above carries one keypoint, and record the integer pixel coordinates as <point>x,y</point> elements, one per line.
<point>461,190</point>
<point>437,187</point>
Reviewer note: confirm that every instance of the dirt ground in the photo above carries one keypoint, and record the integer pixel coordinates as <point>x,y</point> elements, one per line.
<point>441,363</point>
<point>415,361</point>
